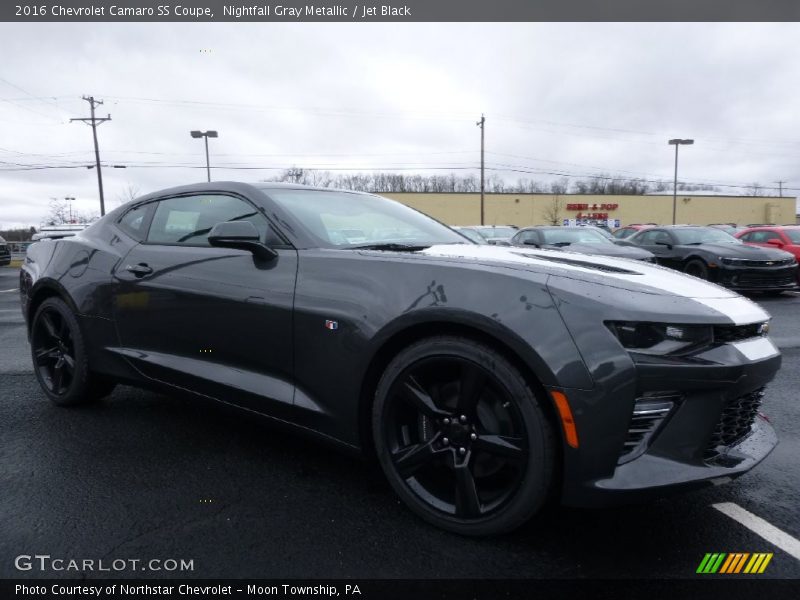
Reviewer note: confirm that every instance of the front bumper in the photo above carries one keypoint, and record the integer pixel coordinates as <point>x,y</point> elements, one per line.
<point>685,449</point>
<point>780,278</point>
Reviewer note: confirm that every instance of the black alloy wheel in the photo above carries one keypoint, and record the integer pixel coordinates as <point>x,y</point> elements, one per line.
<point>59,357</point>
<point>462,437</point>
<point>696,268</point>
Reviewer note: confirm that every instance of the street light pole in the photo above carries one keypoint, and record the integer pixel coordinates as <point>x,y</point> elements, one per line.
<point>676,142</point>
<point>206,135</point>
<point>69,199</point>
<point>482,125</point>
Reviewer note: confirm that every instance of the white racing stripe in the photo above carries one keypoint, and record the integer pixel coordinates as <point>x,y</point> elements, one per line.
<point>738,309</point>
<point>766,530</point>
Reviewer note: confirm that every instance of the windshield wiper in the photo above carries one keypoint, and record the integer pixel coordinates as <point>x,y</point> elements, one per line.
<point>389,246</point>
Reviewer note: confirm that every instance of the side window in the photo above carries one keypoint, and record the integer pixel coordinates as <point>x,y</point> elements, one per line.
<point>527,236</point>
<point>650,237</point>
<point>189,219</point>
<point>134,221</point>
<point>747,237</point>
<point>770,235</point>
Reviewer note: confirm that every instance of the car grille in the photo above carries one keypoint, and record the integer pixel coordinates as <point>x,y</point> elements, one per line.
<point>743,262</point>
<point>649,413</point>
<point>734,333</point>
<point>761,280</point>
<point>738,416</point>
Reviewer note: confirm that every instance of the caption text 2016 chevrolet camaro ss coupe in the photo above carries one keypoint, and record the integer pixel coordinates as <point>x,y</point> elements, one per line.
<point>485,379</point>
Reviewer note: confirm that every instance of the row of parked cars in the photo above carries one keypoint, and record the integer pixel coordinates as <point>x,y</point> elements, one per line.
<point>759,258</point>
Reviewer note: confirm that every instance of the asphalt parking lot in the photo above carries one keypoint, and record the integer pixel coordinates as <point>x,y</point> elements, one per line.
<point>145,476</point>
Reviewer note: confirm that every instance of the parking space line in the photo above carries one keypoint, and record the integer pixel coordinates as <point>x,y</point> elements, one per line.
<point>766,530</point>
<point>4,291</point>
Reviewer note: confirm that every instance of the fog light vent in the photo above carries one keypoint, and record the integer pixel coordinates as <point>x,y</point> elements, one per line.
<point>649,413</point>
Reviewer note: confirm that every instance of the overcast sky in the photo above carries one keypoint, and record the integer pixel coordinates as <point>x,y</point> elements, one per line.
<point>572,98</point>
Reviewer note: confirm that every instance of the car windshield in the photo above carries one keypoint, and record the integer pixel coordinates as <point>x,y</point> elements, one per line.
<point>793,235</point>
<point>605,233</point>
<point>703,235</point>
<point>473,235</point>
<point>578,235</point>
<point>496,232</point>
<point>349,220</point>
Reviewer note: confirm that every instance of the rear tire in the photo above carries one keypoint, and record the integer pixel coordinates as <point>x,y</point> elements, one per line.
<point>462,437</point>
<point>696,268</point>
<point>59,357</point>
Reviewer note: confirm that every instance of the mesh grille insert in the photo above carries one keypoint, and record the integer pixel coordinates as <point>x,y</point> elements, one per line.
<point>738,416</point>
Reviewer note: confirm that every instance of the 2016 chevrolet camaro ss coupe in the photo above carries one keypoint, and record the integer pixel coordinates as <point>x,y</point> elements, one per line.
<point>485,379</point>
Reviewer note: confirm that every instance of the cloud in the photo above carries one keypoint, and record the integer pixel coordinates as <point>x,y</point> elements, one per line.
<point>571,97</point>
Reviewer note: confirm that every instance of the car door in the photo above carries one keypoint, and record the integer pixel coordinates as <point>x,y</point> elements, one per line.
<point>217,321</point>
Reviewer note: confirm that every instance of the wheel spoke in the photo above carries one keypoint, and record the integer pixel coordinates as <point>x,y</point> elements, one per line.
<point>421,399</point>
<point>501,445</point>
<point>63,329</point>
<point>472,384</point>
<point>412,458</point>
<point>49,326</point>
<point>467,502</point>
<point>45,356</point>
<point>58,377</point>
<point>69,362</point>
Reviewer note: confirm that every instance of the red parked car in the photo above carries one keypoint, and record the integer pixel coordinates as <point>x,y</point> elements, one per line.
<point>784,237</point>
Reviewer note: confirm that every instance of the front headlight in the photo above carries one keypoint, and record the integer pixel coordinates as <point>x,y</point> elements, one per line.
<point>660,338</point>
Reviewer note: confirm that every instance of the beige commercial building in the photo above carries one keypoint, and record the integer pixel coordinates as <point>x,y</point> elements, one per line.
<point>545,209</point>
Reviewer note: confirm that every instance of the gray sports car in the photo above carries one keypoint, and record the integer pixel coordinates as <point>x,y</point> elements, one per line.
<point>485,379</point>
<point>583,240</point>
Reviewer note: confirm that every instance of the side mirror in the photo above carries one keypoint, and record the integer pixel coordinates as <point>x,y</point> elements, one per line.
<point>242,235</point>
<point>775,242</point>
<point>667,244</point>
<point>531,243</point>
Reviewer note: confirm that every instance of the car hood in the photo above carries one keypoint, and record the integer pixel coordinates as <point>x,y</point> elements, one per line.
<point>608,250</point>
<point>742,251</point>
<point>622,273</point>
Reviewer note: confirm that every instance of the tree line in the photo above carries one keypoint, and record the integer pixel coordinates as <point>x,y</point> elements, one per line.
<point>379,182</point>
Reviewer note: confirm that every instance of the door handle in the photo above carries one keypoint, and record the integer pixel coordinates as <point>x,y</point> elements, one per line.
<point>139,270</point>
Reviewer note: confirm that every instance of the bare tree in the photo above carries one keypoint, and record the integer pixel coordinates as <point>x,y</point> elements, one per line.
<point>57,212</point>
<point>128,193</point>
<point>756,189</point>
<point>552,210</point>
<point>560,186</point>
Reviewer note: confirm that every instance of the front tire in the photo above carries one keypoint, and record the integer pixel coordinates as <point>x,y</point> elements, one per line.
<point>59,357</point>
<point>697,268</point>
<point>462,437</point>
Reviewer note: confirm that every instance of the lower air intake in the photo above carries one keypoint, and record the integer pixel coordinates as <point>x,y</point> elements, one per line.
<point>649,413</point>
<point>738,416</point>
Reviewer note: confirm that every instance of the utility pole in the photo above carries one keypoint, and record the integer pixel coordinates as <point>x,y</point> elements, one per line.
<point>94,122</point>
<point>481,124</point>
<point>780,188</point>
